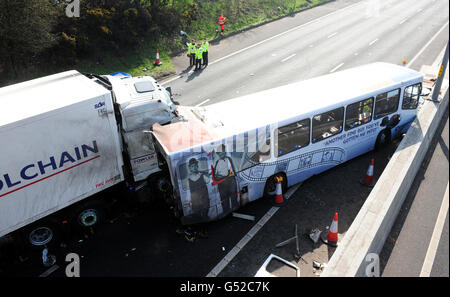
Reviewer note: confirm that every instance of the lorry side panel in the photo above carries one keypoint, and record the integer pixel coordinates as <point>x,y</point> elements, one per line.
<point>54,160</point>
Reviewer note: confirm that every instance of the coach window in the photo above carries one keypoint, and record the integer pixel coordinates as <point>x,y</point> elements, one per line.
<point>292,137</point>
<point>386,103</point>
<point>358,113</point>
<point>263,153</point>
<point>327,124</point>
<point>411,96</point>
<point>259,140</point>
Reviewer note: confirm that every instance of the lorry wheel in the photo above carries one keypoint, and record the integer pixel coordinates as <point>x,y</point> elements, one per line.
<point>89,215</point>
<point>45,233</point>
<point>383,139</point>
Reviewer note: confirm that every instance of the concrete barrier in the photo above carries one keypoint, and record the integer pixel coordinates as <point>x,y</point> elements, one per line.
<point>372,225</point>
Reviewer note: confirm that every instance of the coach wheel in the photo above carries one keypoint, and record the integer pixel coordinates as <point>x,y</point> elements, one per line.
<point>271,185</point>
<point>383,139</point>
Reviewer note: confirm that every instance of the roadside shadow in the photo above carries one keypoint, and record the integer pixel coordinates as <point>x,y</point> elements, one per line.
<point>331,251</point>
<point>444,147</point>
<point>193,75</point>
<point>217,38</point>
<point>186,71</point>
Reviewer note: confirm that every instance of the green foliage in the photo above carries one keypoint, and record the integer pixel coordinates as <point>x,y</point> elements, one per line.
<point>109,26</point>
<point>240,14</point>
<point>25,33</point>
<point>118,35</point>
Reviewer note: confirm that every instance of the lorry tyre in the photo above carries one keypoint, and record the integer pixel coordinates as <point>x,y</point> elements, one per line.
<point>383,139</point>
<point>89,215</point>
<point>271,185</point>
<point>46,233</point>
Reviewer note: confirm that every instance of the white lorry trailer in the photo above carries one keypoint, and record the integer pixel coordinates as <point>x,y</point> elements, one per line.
<point>68,136</point>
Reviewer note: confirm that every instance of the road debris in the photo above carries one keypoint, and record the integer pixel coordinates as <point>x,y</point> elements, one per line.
<point>297,255</point>
<point>318,268</point>
<point>243,216</point>
<point>314,235</point>
<point>317,265</point>
<point>262,271</point>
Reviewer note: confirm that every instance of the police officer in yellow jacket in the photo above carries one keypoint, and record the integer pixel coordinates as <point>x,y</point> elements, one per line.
<point>198,57</point>
<point>205,46</point>
<point>191,53</point>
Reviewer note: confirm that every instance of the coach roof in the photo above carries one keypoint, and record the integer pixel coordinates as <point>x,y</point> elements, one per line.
<point>283,103</point>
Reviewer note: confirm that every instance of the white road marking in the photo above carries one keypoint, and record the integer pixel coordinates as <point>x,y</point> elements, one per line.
<point>420,9</point>
<point>356,54</point>
<point>285,59</point>
<point>434,242</point>
<point>171,80</point>
<point>373,41</point>
<point>336,68</point>
<point>247,237</point>
<point>403,21</point>
<point>426,45</point>
<point>203,102</point>
<point>270,38</point>
<point>329,36</point>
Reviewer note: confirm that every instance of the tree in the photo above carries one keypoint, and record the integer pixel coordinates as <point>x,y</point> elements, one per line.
<point>25,32</point>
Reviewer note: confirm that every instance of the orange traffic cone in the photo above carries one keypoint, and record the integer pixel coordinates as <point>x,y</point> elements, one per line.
<point>368,179</point>
<point>279,200</point>
<point>331,236</point>
<point>157,61</point>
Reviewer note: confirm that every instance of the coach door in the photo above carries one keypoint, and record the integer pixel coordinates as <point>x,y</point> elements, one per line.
<point>409,103</point>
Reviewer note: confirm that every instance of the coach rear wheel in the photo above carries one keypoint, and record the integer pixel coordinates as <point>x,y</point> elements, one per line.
<point>271,185</point>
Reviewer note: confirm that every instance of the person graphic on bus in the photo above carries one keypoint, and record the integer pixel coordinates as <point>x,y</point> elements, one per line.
<point>224,178</point>
<point>199,191</point>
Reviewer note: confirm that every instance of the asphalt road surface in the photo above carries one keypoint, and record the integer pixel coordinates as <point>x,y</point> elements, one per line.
<point>331,37</point>
<point>138,241</point>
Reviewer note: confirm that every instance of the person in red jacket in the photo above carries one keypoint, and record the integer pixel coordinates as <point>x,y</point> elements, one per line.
<point>222,21</point>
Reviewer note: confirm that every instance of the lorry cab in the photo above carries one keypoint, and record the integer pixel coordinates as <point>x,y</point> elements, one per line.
<point>140,102</point>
